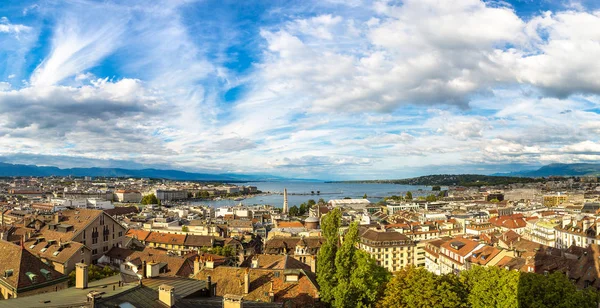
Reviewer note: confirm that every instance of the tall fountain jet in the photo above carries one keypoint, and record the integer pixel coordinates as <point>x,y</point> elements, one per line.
<point>285,201</point>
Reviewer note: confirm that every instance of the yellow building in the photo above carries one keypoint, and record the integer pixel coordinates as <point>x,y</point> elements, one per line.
<point>555,200</point>
<point>391,250</point>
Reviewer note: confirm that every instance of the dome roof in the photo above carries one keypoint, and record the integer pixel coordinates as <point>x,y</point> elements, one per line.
<point>311,219</point>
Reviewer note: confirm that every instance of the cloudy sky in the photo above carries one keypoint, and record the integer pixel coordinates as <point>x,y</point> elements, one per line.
<point>336,89</point>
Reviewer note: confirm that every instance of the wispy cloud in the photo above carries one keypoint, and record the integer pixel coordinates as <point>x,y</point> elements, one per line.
<point>323,89</point>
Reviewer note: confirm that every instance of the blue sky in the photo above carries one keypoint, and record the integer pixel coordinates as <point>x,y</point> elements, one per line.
<point>330,89</point>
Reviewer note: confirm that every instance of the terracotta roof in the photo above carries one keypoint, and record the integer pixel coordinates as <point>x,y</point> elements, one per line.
<point>22,262</point>
<point>79,219</point>
<point>230,280</point>
<point>176,265</point>
<point>465,246</point>
<point>140,235</point>
<point>511,222</point>
<point>166,238</point>
<point>53,250</point>
<point>505,260</point>
<point>509,237</point>
<point>290,224</point>
<point>483,255</point>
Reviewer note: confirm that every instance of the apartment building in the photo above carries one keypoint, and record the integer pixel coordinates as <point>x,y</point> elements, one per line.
<point>542,231</point>
<point>61,255</point>
<point>555,200</point>
<point>392,250</point>
<point>126,196</point>
<point>581,233</point>
<point>23,274</point>
<point>93,228</point>
<point>453,254</point>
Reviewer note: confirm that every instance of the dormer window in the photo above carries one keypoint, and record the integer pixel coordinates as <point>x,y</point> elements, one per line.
<point>291,278</point>
<point>8,273</point>
<point>32,277</point>
<point>46,273</point>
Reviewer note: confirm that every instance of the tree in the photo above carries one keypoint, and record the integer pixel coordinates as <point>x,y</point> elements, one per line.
<point>491,287</point>
<point>495,200</point>
<point>408,195</point>
<point>365,196</point>
<point>311,203</point>
<point>330,223</point>
<point>303,209</point>
<point>359,278</point>
<point>321,201</point>
<point>555,290</point>
<point>185,228</point>
<point>294,211</point>
<point>150,199</point>
<point>94,273</point>
<point>431,198</point>
<point>344,261</point>
<point>416,287</point>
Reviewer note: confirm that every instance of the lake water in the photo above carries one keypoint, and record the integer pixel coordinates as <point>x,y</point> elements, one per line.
<point>300,192</point>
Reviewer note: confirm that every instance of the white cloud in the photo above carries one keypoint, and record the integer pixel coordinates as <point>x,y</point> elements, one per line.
<point>7,27</point>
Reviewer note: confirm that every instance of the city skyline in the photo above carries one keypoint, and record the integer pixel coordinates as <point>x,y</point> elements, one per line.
<point>327,90</point>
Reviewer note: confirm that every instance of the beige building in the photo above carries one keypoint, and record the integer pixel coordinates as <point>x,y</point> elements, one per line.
<point>61,255</point>
<point>453,254</point>
<point>128,196</point>
<point>23,274</point>
<point>93,228</point>
<point>555,200</point>
<point>391,250</point>
<point>542,231</point>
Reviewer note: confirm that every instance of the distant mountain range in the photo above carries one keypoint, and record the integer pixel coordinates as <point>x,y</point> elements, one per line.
<point>9,170</point>
<point>558,170</point>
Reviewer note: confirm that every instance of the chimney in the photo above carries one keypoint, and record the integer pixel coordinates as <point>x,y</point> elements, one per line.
<point>197,266</point>
<point>255,262</point>
<point>166,295</point>
<point>144,270</point>
<point>232,301</point>
<point>247,281</point>
<point>152,269</point>
<point>210,288</point>
<point>81,276</point>
<point>210,263</point>
<point>57,218</point>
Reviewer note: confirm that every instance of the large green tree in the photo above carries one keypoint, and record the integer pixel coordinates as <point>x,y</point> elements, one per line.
<point>416,287</point>
<point>555,290</point>
<point>330,225</point>
<point>491,287</point>
<point>355,280</point>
